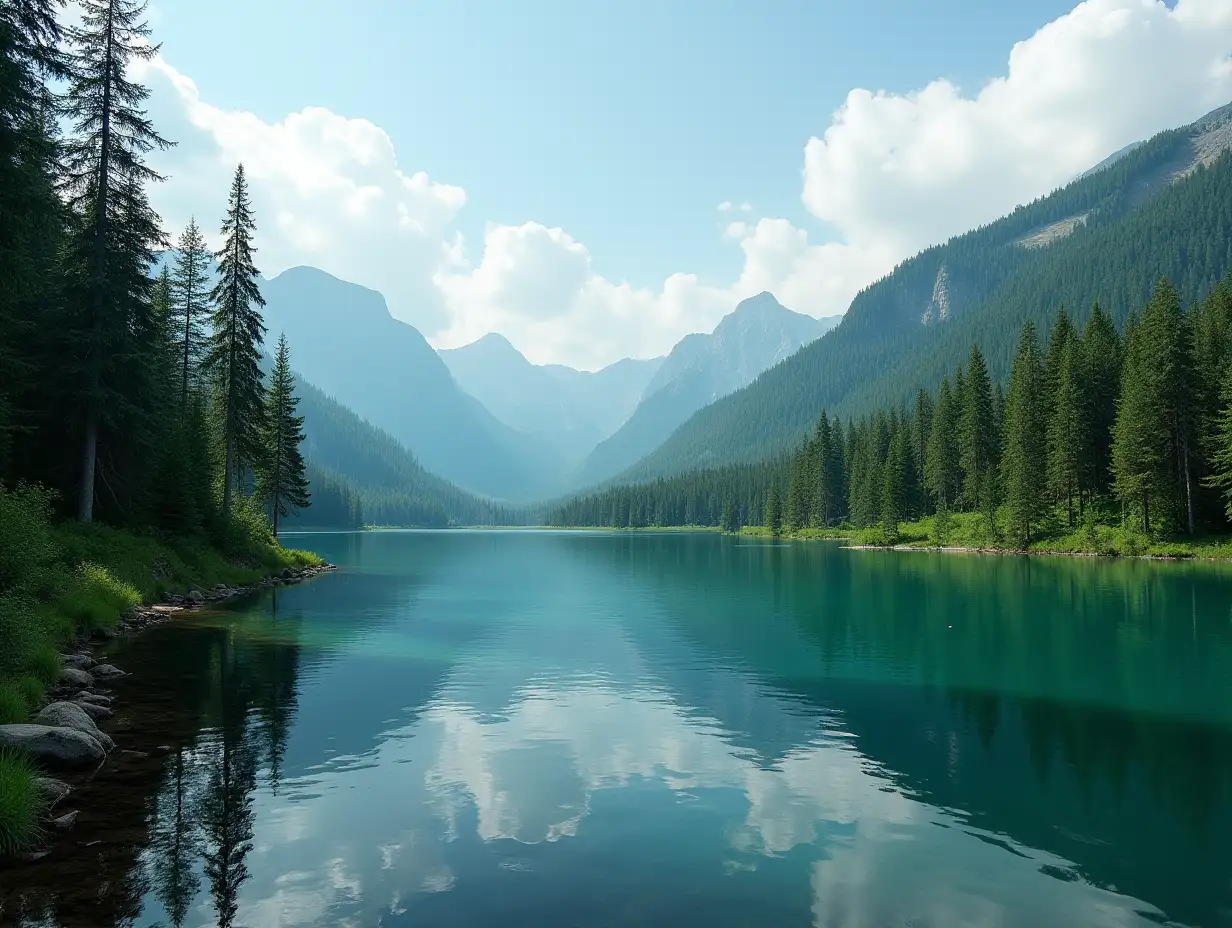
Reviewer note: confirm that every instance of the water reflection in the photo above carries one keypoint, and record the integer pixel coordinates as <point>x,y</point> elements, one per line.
<point>616,730</point>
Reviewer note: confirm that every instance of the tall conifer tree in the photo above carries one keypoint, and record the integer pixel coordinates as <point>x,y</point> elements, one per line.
<point>977,435</point>
<point>190,303</point>
<point>234,353</point>
<point>1022,458</point>
<point>1069,431</point>
<point>283,483</point>
<point>114,230</point>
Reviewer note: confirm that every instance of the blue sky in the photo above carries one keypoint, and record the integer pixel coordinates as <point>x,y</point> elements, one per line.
<point>624,122</point>
<point>552,171</point>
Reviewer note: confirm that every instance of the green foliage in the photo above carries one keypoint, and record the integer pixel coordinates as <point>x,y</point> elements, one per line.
<point>281,482</point>
<point>95,599</point>
<point>774,510</point>
<point>12,704</point>
<point>190,298</point>
<point>233,358</point>
<point>1022,456</point>
<point>20,803</point>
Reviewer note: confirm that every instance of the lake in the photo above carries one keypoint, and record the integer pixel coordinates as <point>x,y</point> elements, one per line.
<point>608,729</point>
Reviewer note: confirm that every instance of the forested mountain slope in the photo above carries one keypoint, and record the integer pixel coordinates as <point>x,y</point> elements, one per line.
<point>391,485</point>
<point>569,410</point>
<point>759,333</point>
<point>344,341</point>
<point>1162,209</point>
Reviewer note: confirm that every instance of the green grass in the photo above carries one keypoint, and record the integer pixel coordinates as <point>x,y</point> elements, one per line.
<point>21,804</point>
<point>13,706</point>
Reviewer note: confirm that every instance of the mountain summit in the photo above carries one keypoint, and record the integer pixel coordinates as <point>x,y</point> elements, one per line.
<point>758,334</point>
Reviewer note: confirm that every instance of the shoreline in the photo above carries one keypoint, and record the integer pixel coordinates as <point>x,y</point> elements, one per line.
<point>83,703</point>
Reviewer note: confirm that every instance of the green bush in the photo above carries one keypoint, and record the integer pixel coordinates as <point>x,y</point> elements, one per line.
<point>20,803</point>
<point>874,536</point>
<point>28,551</point>
<point>44,664</point>
<point>97,599</point>
<point>32,691</point>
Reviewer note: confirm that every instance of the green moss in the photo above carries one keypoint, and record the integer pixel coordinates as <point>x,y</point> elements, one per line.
<point>20,803</point>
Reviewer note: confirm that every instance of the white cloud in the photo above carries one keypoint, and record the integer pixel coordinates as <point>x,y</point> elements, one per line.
<point>892,173</point>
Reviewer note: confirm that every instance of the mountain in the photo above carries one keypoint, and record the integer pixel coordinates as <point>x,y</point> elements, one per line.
<point>344,341</point>
<point>392,487</point>
<point>757,335</point>
<point>1162,208</point>
<point>570,410</point>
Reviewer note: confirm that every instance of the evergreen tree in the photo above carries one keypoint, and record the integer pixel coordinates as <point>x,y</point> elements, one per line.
<point>283,484</point>
<point>113,231</point>
<point>921,431</point>
<point>1101,357</point>
<point>728,521</point>
<point>190,304</point>
<point>941,466</point>
<point>234,353</point>
<point>1061,335</point>
<point>1022,458</point>
<point>829,481</point>
<point>798,490</point>
<point>977,435</point>
<point>894,482</point>
<point>774,509</point>
<point>1069,431</point>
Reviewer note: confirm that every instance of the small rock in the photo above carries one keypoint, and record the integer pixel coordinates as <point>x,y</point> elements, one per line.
<point>53,745</point>
<point>30,857</point>
<point>107,671</point>
<point>196,596</point>
<point>75,677</point>
<point>94,710</point>
<point>77,661</point>
<point>65,821</point>
<point>97,699</point>
<point>71,715</point>
<point>53,790</point>
<point>287,573</point>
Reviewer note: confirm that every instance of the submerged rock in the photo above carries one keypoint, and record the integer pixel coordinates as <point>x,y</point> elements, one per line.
<point>94,710</point>
<point>53,790</point>
<point>107,671</point>
<point>97,698</point>
<point>75,677</point>
<point>71,715</point>
<point>52,745</point>
<point>65,821</point>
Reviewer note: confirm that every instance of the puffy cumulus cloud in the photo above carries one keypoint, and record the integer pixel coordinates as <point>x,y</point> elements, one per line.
<point>535,285</point>
<point>891,174</point>
<point>327,190</point>
<point>911,170</point>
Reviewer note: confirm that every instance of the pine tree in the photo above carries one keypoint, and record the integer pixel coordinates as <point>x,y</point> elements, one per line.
<point>798,491</point>
<point>1061,335</point>
<point>114,230</point>
<point>774,509</point>
<point>1139,453</point>
<point>894,482</point>
<point>728,520</point>
<point>283,484</point>
<point>1101,356</point>
<point>1069,431</point>
<point>234,353</point>
<point>941,466</point>
<point>977,435</point>
<point>190,304</point>
<point>1022,458</point>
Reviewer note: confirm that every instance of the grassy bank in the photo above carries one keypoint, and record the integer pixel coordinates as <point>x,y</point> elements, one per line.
<point>972,531</point>
<point>59,581</point>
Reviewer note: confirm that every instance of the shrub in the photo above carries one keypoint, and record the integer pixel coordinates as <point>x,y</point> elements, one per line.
<point>44,664</point>
<point>20,803</point>
<point>28,551</point>
<point>96,598</point>
<point>874,536</point>
<point>32,691</point>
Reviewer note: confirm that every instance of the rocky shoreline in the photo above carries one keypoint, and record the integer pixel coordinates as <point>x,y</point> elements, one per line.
<point>64,737</point>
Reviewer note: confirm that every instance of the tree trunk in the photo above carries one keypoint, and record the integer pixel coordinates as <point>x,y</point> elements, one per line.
<point>89,450</point>
<point>1189,502</point>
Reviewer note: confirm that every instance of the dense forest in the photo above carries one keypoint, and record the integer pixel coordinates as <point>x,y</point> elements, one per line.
<point>137,398</point>
<point>1132,224</point>
<point>1093,425</point>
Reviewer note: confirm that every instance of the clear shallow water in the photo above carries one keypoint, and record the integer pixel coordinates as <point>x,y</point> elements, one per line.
<point>551,729</point>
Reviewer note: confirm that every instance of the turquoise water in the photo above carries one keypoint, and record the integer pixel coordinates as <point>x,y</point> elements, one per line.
<point>551,729</point>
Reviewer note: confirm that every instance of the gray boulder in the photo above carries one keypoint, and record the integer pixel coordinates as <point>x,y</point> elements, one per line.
<point>107,671</point>
<point>97,698</point>
<point>195,596</point>
<point>77,661</point>
<point>74,677</point>
<point>94,710</point>
<point>71,715</point>
<point>53,746</point>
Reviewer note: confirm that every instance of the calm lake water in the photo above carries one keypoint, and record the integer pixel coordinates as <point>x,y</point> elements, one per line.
<point>590,729</point>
